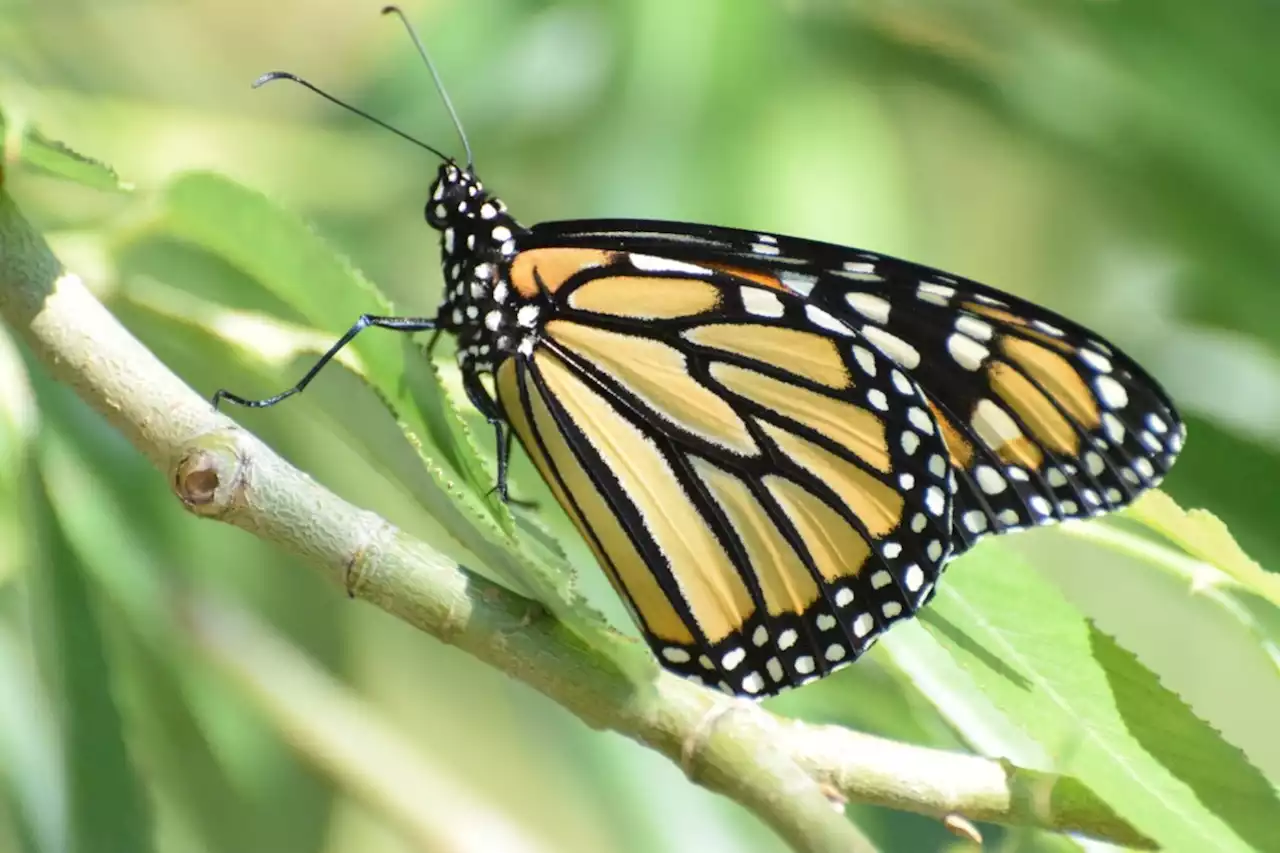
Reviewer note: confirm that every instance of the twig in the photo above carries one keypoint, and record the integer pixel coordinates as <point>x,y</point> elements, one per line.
<point>784,772</point>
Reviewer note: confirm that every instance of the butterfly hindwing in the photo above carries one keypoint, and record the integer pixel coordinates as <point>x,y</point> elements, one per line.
<point>765,489</point>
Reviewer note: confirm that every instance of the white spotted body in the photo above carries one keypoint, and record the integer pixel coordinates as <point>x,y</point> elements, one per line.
<point>476,246</point>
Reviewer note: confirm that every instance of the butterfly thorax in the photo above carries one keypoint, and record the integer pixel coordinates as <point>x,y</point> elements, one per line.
<point>477,242</point>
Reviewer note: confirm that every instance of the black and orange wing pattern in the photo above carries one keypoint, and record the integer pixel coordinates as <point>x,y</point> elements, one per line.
<point>772,445</point>
<point>765,489</point>
<point>1044,420</point>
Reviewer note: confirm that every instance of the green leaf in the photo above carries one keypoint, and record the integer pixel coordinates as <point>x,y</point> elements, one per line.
<point>30,760</point>
<point>232,802</point>
<point>1243,596</point>
<point>1201,534</point>
<point>27,147</point>
<point>291,262</point>
<point>106,809</point>
<point>18,425</point>
<point>1193,751</point>
<point>1037,658</point>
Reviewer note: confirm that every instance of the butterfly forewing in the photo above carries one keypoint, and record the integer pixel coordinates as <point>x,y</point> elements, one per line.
<point>1043,420</point>
<point>766,490</point>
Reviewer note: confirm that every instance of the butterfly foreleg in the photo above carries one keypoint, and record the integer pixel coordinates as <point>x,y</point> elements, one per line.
<point>398,324</point>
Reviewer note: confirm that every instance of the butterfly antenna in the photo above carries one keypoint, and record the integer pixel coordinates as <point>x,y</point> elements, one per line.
<point>285,75</point>
<point>435,75</point>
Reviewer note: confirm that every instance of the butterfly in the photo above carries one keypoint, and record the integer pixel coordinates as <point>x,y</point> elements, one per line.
<point>772,445</point>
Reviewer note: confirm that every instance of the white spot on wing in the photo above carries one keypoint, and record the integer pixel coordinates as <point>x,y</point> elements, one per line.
<point>989,480</point>
<point>973,327</point>
<point>774,667</point>
<point>867,360</point>
<point>920,420</point>
<point>821,318</point>
<point>967,352</point>
<point>1100,363</point>
<point>914,578</point>
<point>937,465</point>
<point>798,281</point>
<point>761,302</point>
<point>1111,392</point>
<point>893,346</point>
<point>654,263</point>
<point>938,294</point>
<point>910,442</point>
<point>1112,427</point>
<point>994,425</point>
<point>874,308</point>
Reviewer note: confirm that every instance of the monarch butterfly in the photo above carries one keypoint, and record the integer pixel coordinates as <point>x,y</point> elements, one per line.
<point>772,445</point>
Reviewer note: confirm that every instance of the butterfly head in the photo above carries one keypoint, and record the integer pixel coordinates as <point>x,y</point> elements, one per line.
<point>453,192</point>
<point>471,222</point>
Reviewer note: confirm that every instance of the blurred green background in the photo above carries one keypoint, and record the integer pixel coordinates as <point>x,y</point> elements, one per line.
<point>1117,161</point>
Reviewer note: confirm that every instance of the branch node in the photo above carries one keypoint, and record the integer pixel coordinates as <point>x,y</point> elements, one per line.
<point>209,474</point>
<point>697,739</point>
<point>356,567</point>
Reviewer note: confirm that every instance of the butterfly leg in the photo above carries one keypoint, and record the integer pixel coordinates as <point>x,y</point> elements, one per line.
<point>398,324</point>
<point>503,435</point>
